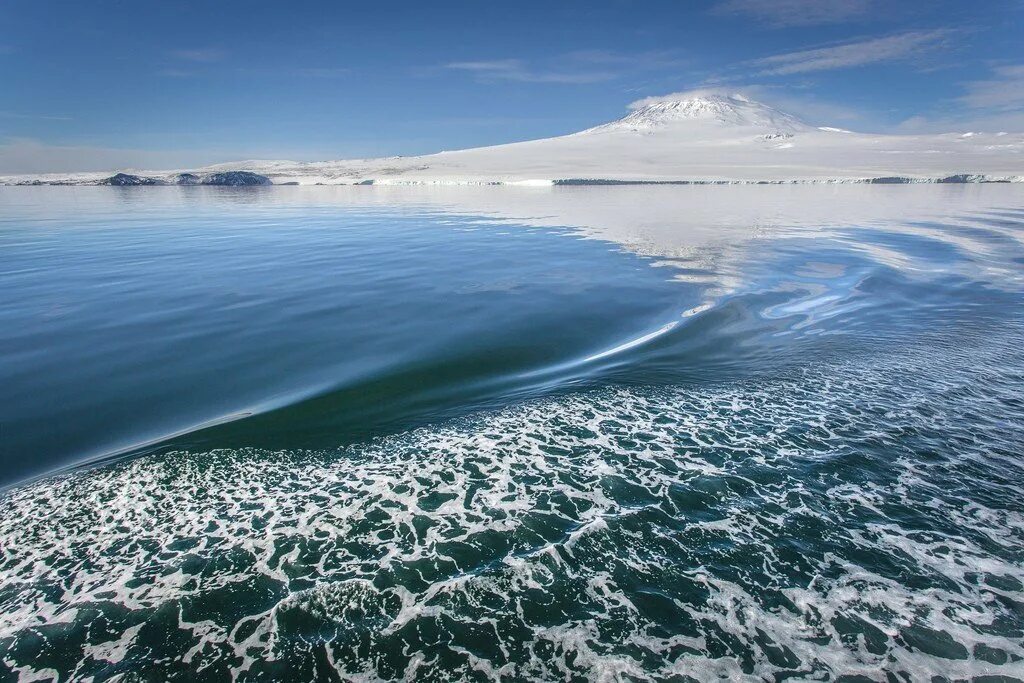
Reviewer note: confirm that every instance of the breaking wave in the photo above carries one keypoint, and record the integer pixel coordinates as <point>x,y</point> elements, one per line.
<point>854,520</point>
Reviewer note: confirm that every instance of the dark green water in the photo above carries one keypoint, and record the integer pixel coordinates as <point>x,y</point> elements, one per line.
<point>591,434</point>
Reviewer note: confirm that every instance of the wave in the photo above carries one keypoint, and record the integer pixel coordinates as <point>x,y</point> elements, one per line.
<point>849,292</point>
<point>800,526</point>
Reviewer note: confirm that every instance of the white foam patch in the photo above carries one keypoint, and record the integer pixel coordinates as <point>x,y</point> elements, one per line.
<point>805,527</point>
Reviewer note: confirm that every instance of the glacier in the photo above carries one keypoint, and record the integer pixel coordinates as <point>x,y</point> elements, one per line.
<point>704,139</point>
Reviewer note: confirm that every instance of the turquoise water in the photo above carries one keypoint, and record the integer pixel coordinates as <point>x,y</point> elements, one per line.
<point>572,434</point>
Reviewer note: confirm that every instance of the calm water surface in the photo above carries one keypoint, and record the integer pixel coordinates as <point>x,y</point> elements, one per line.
<point>494,433</point>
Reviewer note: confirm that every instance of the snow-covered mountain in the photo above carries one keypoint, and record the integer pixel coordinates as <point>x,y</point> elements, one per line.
<point>716,111</point>
<point>699,139</point>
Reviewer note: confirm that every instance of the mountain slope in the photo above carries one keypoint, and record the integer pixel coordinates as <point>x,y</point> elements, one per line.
<point>713,111</point>
<point>711,138</point>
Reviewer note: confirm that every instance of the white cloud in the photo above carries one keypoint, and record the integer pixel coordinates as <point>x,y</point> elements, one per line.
<point>1006,122</point>
<point>493,66</point>
<point>175,73</point>
<point>34,117</point>
<point>815,111</point>
<point>323,72</point>
<point>990,105</point>
<point>1004,90</point>
<point>887,49</point>
<point>651,60</point>
<point>578,67</point>
<point>202,55</point>
<point>781,13</point>
<point>517,70</point>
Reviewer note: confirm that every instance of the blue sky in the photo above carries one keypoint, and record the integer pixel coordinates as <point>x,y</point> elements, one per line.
<point>102,85</point>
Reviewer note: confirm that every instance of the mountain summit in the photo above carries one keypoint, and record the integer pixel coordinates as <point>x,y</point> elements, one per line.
<point>716,110</point>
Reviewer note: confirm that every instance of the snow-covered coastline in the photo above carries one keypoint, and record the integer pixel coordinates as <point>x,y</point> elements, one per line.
<point>710,139</point>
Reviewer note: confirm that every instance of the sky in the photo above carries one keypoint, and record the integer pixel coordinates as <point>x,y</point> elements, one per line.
<point>105,84</point>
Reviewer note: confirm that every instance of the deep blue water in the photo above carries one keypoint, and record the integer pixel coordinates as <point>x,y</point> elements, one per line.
<point>122,326</point>
<point>577,433</point>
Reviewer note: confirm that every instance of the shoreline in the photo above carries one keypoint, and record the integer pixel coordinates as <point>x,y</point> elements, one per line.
<point>259,180</point>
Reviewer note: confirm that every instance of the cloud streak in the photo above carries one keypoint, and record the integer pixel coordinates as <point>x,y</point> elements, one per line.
<point>784,13</point>
<point>517,70</point>
<point>1003,91</point>
<point>847,55</point>
<point>578,67</point>
<point>323,72</point>
<point>204,55</point>
<point>34,117</point>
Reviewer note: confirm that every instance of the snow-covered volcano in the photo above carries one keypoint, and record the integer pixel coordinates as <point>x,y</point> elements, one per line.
<point>698,139</point>
<point>719,111</point>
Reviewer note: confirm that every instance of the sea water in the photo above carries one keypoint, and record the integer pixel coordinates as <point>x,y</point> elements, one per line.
<point>512,433</point>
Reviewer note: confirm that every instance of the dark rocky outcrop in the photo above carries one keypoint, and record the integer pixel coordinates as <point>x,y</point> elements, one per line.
<point>890,180</point>
<point>963,178</point>
<point>236,179</point>
<point>225,178</point>
<point>126,180</point>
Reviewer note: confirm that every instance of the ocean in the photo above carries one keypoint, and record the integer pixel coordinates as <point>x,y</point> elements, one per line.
<point>495,433</point>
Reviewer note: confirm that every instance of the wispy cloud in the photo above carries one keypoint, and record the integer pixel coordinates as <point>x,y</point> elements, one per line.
<point>991,104</point>
<point>322,72</point>
<point>175,73</point>
<point>205,55</point>
<point>651,60</point>
<point>578,67</point>
<point>1002,91</point>
<point>783,13</point>
<point>886,49</point>
<point>35,117</point>
<point>974,121</point>
<point>518,70</point>
<point>484,121</point>
<point>186,63</point>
